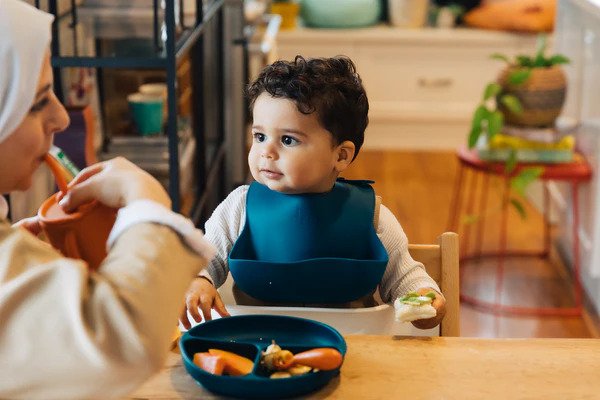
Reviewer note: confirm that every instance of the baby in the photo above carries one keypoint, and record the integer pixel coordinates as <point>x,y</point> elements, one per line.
<point>299,234</point>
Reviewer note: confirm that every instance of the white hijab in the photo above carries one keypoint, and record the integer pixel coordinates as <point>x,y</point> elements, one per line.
<point>24,40</point>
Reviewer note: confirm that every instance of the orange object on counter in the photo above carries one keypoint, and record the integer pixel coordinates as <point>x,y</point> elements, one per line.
<point>235,365</point>
<point>514,15</point>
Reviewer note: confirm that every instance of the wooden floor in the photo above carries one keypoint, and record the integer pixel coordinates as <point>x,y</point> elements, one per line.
<point>417,187</point>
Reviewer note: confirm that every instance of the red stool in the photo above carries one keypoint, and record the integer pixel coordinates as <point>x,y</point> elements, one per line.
<point>574,172</point>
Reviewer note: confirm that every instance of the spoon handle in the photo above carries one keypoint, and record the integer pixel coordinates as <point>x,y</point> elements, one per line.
<point>57,171</point>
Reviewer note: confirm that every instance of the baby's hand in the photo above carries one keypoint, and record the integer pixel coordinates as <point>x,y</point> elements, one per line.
<point>201,294</point>
<point>439,303</point>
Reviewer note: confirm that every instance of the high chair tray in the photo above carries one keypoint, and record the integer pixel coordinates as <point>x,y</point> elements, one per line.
<point>376,320</point>
<point>248,336</point>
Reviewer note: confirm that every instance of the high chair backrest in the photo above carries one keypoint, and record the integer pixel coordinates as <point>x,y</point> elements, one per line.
<point>441,262</point>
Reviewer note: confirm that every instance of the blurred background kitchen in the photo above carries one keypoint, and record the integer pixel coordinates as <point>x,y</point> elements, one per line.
<point>161,83</point>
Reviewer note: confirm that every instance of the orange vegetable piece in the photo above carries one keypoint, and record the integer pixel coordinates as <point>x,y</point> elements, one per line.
<point>175,340</point>
<point>210,363</point>
<point>323,358</point>
<point>234,364</point>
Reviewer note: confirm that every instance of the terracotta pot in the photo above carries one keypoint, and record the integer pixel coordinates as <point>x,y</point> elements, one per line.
<point>542,96</point>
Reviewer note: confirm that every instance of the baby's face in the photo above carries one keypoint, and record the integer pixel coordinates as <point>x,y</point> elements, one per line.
<point>291,152</point>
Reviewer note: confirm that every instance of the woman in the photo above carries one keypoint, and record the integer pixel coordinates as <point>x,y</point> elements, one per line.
<point>67,332</point>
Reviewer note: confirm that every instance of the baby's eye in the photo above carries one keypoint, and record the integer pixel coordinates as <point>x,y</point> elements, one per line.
<point>289,141</point>
<point>259,137</point>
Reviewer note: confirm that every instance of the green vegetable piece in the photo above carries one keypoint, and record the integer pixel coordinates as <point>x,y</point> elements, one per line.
<point>409,296</point>
<point>415,299</point>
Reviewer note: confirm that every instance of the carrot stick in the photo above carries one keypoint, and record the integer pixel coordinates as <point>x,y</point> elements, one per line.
<point>323,358</point>
<point>234,364</point>
<point>57,171</point>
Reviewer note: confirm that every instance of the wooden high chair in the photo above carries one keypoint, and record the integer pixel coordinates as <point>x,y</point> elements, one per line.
<point>440,261</point>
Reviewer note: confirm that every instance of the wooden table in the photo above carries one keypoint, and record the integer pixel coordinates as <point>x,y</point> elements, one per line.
<point>384,367</point>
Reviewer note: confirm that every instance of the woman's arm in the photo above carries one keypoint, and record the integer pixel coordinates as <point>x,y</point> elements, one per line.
<point>71,333</point>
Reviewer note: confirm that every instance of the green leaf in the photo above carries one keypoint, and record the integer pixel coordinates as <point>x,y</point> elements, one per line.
<point>559,59</point>
<point>517,205</point>
<point>527,175</point>
<point>519,76</point>
<point>501,57</point>
<point>474,136</point>
<point>540,62</point>
<point>495,122</point>
<point>480,114</point>
<point>511,161</point>
<point>524,61</point>
<point>540,46</point>
<point>512,103</point>
<point>491,90</point>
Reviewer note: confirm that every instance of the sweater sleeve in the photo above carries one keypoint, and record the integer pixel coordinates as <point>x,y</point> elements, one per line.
<point>68,332</point>
<point>402,274</point>
<point>222,230</point>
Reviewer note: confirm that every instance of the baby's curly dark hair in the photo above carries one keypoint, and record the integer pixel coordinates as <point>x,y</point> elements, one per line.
<point>331,87</point>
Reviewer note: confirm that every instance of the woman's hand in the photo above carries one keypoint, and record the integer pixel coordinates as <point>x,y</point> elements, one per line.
<point>201,294</point>
<point>115,183</point>
<point>439,303</point>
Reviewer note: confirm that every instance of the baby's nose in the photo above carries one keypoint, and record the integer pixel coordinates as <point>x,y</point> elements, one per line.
<point>268,151</point>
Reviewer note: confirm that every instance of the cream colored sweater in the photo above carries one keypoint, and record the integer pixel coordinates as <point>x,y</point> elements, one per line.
<point>68,333</point>
<point>402,274</point>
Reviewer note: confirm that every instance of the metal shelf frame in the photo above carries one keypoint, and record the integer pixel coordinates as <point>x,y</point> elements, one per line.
<point>190,42</point>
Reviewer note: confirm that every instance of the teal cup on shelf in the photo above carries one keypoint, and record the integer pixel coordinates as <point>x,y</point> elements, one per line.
<point>147,113</point>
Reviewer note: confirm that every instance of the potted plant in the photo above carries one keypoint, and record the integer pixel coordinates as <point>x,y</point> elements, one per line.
<point>530,93</point>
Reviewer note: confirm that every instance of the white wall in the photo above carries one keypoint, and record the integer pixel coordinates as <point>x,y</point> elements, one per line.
<point>578,37</point>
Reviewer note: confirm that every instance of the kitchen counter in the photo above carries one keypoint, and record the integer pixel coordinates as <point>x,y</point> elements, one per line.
<point>384,367</point>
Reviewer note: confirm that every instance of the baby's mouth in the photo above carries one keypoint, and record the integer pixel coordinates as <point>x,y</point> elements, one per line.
<point>270,173</point>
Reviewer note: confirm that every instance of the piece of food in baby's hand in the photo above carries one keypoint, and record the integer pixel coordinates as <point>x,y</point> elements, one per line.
<point>414,306</point>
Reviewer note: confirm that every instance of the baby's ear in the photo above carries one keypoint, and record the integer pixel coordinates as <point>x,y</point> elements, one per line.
<point>345,154</point>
